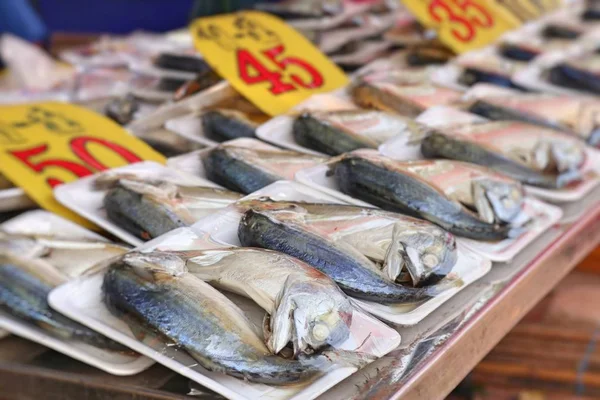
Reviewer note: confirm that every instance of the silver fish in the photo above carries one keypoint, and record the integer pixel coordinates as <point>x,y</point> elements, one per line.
<point>337,132</point>
<point>24,288</point>
<point>149,208</point>
<point>247,170</point>
<point>529,153</point>
<point>361,236</point>
<point>71,256</point>
<point>306,306</point>
<point>166,298</point>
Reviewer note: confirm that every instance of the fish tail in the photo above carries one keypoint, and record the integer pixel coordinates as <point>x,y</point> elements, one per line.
<point>444,286</point>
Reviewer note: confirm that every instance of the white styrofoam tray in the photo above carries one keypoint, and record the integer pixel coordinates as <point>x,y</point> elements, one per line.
<point>82,300</point>
<point>191,163</point>
<point>439,116</point>
<point>223,225</point>
<point>278,130</point>
<point>541,216</point>
<point>45,223</point>
<point>81,196</point>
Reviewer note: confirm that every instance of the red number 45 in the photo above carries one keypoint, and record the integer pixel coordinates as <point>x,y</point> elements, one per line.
<point>246,60</point>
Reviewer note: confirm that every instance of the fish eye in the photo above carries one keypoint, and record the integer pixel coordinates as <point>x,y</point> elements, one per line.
<point>430,260</point>
<point>320,332</point>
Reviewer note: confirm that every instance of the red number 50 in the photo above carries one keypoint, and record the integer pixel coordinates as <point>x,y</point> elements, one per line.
<point>79,148</point>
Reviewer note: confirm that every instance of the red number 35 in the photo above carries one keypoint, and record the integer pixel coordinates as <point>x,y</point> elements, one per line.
<point>246,59</point>
<point>440,10</point>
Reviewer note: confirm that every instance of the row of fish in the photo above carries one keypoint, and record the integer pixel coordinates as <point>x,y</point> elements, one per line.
<point>32,266</point>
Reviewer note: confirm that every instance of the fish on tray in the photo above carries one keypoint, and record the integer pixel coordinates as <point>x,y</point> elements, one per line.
<point>465,200</point>
<point>528,153</point>
<point>337,132</point>
<point>581,74</point>
<point>159,295</point>
<point>246,170</point>
<point>225,124</point>
<point>572,114</point>
<point>168,143</point>
<point>148,208</point>
<point>306,307</point>
<point>24,288</point>
<point>366,251</point>
<point>71,256</point>
<point>405,99</point>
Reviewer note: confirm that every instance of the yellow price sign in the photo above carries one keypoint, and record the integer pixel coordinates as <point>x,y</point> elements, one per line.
<point>43,145</point>
<point>267,61</point>
<point>464,25</point>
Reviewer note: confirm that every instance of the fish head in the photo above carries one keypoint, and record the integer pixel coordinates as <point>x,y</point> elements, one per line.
<point>428,252</point>
<point>320,320</point>
<point>497,200</point>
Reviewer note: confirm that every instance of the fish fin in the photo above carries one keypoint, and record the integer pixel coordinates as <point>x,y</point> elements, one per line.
<point>482,204</point>
<point>281,321</point>
<point>394,261</point>
<point>448,283</point>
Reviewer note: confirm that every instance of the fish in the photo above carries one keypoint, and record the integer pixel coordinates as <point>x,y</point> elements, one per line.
<point>580,74</point>
<point>570,114</point>
<point>148,208</point>
<point>337,132</point>
<point>122,109</point>
<point>168,143</point>
<point>292,9</point>
<point>517,52</point>
<point>530,154</point>
<point>305,306</point>
<point>351,245</point>
<point>553,31</point>
<point>164,298</point>
<point>390,185</point>
<point>202,81</point>
<point>423,56</point>
<point>24,288</point>
<point>71,256</point>
<point>181,62</point>
<point>247,170</point>
<point>224,124</point>
<point>409,99</point>
<point>471,75</point>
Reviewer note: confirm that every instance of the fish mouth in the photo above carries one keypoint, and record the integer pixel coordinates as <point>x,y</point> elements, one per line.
<point>424,266</point>
<point>497,202</point>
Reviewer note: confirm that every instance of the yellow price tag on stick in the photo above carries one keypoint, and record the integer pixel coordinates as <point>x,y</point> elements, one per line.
<point>46,144</point>
<point>267,61</point>
<point>464,25</point>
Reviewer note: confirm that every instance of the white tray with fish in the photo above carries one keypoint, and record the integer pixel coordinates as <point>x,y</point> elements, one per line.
<point>278,130</point>
<point>82,301</point>
<point>223,227</point>
<point>244,165</point>
<point>85,199</point>
<point>439,117</point>
<point>191,163</point>
<point>539,216</point>
<point>45,224</point>
<point>228,119</point>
